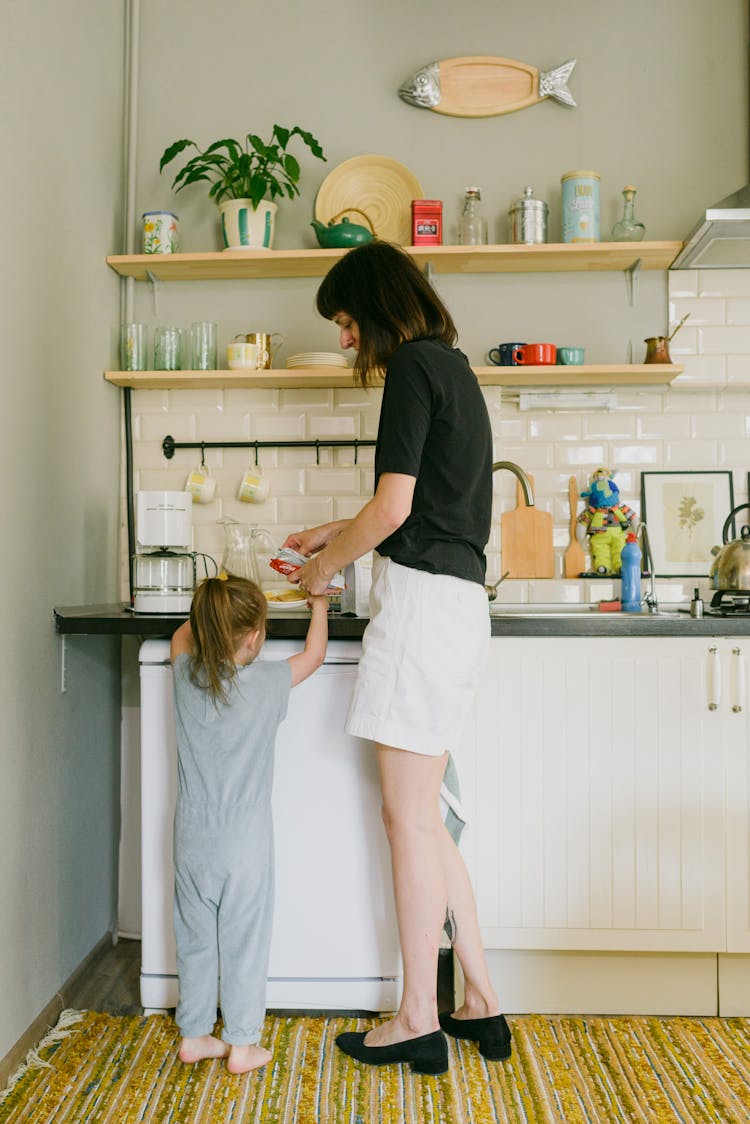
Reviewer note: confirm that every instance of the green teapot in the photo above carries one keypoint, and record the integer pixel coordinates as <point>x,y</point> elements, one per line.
<point>344,234</point>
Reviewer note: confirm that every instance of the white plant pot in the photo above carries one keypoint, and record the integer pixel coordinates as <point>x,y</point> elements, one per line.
<point>243,228</point>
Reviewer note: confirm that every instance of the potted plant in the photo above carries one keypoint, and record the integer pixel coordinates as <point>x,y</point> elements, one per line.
<point>245,178</point>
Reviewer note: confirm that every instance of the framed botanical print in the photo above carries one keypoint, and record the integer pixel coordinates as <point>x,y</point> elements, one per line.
<point>684,513</point>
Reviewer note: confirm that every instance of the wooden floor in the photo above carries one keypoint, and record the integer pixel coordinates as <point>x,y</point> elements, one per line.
<point>111,983</point>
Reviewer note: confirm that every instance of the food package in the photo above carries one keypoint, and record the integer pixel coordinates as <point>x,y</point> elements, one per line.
<point>356,596</point>
<point>288,561</point>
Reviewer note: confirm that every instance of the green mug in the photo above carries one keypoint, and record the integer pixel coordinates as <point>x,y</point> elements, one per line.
<point>570,356</point>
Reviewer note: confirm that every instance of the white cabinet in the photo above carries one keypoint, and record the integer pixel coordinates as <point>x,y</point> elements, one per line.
<point>607,800</point>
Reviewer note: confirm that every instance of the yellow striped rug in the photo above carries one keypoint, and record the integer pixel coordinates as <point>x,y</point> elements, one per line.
<point>101,1069</point>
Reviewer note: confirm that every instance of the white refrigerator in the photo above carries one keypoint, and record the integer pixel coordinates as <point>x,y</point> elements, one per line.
<point>335,939</point>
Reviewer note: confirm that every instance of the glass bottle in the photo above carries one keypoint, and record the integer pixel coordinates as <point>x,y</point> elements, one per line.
<point>628,229</point>
<point>472,225</point>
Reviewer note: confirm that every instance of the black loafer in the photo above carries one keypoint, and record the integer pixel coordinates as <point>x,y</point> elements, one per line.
<point>491,1034</point>
<point>426,1054</point>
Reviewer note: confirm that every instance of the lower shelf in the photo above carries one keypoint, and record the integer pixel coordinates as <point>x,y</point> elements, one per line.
<point>625,374</point>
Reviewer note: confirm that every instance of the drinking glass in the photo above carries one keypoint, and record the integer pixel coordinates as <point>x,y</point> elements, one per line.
<point>133,347</point>
<point>167,350</point>
<point>203,346</point>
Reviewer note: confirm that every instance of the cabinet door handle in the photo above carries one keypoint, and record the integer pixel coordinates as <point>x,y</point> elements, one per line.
<point>739,678</point>
<point>714,678</point>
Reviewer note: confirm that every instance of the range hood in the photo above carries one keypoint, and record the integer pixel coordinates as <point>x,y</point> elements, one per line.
<point>721,240</point>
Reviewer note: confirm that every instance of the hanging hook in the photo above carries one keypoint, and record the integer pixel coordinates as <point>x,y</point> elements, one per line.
<point>317,451</point>
<point>356,447</point>
<point>256,454</point>
<point>203,454</point>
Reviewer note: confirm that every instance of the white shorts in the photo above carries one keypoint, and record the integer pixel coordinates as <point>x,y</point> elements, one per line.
<point>423,654</point>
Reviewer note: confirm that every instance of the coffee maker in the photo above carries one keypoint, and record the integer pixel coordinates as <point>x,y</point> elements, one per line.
<point>163,565</point>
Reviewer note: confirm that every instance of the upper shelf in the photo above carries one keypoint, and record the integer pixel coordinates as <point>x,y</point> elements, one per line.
<point>651,374</point>
<point>544,258</point>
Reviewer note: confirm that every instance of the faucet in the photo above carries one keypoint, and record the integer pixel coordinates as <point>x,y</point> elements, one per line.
<point>518,472</point>
<point>648,558</point>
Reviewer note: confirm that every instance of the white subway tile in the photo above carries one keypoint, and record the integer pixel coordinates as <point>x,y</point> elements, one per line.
<point>149,401</point>
<point>305,458</point>
<point>222,426</point>
<point>738,370</point>
<point>509,429</point>
<point>612,425</point>
<point>297,399</point>
<point>701,370</point>
<point>264,514</point>
<point>734,453</point>
<point>332,482</point>
<point>149,454</point>
<point>686,343</point>
<point>369,427</point>
<point>724,282</point>
<point>286,481</point>
<point>554,592</point>
<point>644,401</point>
<point>206,514</point>
<point>717,425</point>
<point>170,479</point>
<point>701,311</point>
<point>280,427</point>
<point>155,427</point>
<point>305,511</point>
<point>683,283</point>
<point>646,453</point>
<point>344,458</point>
<point>656,426</point>
<point>679,402</point>
<point>555,427</point>
<point>346,507</point>
<point>339,426</point>
<point>579,456</point>
<point>196,400</point>
<point>738,310</point>
<point>356,398</point>
<point>733,340</point>
<point>691,454</point>
<point>528,456</point>
<point>248,401</point>
<point>511,591</point>
<point>600,589</point>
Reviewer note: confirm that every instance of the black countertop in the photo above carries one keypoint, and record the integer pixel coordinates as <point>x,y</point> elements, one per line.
<point>119,620</point>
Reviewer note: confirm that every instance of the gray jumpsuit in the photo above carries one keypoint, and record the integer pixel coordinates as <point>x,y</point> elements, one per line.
<point>223,848</point>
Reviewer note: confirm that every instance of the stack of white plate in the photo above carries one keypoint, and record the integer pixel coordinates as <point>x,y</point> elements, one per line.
<point>317,359</point>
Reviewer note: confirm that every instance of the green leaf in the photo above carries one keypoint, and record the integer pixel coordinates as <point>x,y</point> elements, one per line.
<point>174,150</point>
<point>257,143</point>
<point>258,188</point>
<point>310,141</point>
<point>282,135</point>
<point>291,167</point>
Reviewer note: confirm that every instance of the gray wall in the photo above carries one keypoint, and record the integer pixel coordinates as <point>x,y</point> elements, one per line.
<point>61,89</point>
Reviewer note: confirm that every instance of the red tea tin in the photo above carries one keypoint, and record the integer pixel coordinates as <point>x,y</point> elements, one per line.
<point>427,222</point>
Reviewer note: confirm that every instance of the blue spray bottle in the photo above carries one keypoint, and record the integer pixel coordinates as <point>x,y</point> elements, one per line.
<point>631,575</point>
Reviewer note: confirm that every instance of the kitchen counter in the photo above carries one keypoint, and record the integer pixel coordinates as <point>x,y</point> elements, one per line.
<point>506,621</point>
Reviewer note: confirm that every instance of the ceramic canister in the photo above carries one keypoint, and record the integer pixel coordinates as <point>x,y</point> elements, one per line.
<point>580,207</point>
<point>160,232</point>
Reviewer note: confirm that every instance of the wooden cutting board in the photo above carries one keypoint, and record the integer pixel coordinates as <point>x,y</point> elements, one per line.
<point>526,540</point>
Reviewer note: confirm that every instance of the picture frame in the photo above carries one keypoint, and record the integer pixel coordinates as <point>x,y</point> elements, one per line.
<point>684,512</point>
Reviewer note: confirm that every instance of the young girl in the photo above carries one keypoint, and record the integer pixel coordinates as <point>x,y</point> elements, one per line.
<point>228,707</point>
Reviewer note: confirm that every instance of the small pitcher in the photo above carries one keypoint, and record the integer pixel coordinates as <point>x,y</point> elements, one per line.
<point>657,349</point>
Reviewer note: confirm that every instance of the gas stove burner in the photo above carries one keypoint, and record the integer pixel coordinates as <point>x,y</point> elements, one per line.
<point>730,602</point>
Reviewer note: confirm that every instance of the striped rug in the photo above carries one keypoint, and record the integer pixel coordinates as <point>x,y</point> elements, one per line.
<point>101,1069</point>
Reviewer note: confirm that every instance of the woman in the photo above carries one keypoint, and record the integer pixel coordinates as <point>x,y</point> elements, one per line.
<point>425,644</point>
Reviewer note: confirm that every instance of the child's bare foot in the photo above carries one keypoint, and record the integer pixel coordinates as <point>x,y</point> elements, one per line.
<point>197,1049</point>
<point>244,1058</point>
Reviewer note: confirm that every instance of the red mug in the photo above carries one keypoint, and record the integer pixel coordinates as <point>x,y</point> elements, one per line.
<point>535,355</point>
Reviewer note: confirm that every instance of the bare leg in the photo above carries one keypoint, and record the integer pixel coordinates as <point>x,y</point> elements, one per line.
<point>410,784</point>
<point>197,1049</point>
<point>244,1058</point>
<point>480,1000</point>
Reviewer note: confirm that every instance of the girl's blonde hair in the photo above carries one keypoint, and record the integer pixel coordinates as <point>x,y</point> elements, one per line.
<point>223,611</point>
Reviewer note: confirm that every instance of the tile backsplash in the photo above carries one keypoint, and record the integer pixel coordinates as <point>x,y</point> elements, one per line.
<point>701,422</point>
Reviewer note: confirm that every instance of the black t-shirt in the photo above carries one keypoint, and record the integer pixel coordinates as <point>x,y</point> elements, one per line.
<point>434,426</point>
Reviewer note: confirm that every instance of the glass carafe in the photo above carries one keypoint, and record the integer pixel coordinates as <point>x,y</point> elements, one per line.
<point>628,229</point>
<point>248,550</point>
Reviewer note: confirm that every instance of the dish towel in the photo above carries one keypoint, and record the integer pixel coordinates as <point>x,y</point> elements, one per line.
<point>451,808</point>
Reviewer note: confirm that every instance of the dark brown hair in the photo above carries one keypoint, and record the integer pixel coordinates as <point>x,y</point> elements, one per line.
<point>381,287</point>
<point>223,611</point>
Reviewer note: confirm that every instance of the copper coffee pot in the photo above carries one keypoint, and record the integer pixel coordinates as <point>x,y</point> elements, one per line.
<point>657,347</point>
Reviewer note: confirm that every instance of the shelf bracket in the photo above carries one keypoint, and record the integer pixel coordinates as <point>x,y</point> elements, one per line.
<point>429,272</point>
<point>154,283</point>
<point>631,276</point>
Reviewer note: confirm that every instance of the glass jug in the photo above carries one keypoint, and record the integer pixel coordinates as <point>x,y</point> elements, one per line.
<point>248,550</point>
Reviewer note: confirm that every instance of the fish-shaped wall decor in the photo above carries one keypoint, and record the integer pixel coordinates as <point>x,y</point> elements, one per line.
<point>485,86</point>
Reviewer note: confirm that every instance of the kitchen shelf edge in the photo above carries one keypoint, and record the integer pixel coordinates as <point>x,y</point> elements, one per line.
<point>548,257</point>
<point>625,374</point>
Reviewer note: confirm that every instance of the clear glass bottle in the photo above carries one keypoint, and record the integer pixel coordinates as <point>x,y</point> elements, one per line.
<point>472,225</point>
<point>628,229</point>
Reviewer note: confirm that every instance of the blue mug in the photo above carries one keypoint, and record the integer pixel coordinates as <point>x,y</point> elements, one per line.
<point>502,355</point>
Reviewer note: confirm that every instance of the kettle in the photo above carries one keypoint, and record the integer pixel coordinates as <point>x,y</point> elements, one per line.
<point>344,234</point>
<point>732,565</point>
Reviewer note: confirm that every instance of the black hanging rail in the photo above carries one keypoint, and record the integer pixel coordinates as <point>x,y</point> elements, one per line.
<point>169,445</point>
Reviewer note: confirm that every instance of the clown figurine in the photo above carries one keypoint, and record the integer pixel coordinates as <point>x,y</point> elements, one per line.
<point>607,522</point>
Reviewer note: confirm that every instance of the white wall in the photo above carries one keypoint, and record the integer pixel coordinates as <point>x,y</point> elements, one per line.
<point>61,89</point>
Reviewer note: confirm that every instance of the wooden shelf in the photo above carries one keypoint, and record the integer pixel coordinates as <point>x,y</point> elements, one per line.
<point>546,258</point>
<point>528,378</point>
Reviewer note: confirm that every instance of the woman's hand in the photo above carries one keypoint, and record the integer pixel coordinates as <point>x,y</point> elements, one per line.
<point>315,538</point>
<point>311,578</point>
